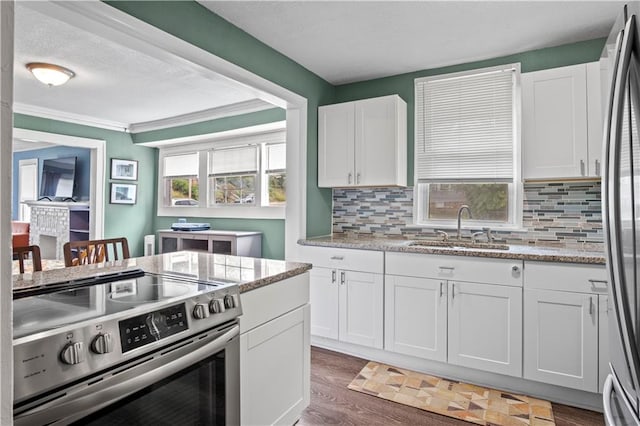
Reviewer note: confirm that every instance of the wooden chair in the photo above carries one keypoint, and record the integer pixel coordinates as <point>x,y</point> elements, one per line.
<point>23,253</point>
<point>95,251</point>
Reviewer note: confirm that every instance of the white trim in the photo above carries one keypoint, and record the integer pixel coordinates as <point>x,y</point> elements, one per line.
<point>6,160</point>
<point>253,105</point>
<point>211,137</point>
<point>98,161</point>
<point>68,117</point>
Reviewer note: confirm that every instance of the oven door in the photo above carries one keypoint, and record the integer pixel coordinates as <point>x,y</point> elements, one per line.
<point>195,381</point>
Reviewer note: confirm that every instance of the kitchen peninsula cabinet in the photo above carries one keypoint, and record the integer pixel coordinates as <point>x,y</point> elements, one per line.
<point>275,350</point>
<point>562,122</point>
<point>347,295</point>
<point>363,143</point>
<point>565,325</point>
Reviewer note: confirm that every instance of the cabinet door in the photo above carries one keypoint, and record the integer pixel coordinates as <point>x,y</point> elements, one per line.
<point>323,287</point>
<point>336,133</point>
<point>603,339</point>
<point>554,122</point>
<point>416,316</point>
<point>561,338</point>
<point>361,308</point>
<point>380,142</point>
<point>485,327</point>
<point>596,90</point>
<point>275,352</point>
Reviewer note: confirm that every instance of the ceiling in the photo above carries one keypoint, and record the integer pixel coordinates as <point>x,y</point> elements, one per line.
<point>121,86</point>
<point>116,86</point>
<point>347,41</point>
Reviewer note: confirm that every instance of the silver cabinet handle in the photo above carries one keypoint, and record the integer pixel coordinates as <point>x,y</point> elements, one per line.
<point>582,167</point>
<point>446,268</point>
<point>342,278</point>
<point>358,177</point>
<point>591,306</point>
<point>597,167</point>
<point>349,178</point>
<point>595,287</point>
<point>453,291</point>
<point>333,276</point>
<point>441,284</point>
<point>337,257</point>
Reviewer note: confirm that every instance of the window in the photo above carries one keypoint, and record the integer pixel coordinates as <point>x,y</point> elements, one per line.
<point>467,147</point>
<point>181,180</point>
<point>233,173</point>
<point>247,172</point>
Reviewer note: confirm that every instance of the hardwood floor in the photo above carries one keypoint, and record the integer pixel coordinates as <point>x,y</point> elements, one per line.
<point>333,404</point>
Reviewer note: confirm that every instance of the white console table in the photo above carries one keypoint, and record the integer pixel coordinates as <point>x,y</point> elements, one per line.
<point>55,223</point>
<point>237,243</point>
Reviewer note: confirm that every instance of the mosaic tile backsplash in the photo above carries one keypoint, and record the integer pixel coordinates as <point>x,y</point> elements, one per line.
<point>563,214</point>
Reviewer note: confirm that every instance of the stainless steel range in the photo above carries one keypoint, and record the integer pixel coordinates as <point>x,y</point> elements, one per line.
<point>147,348</point>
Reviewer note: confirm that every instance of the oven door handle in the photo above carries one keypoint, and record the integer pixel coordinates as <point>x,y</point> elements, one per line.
<point>72,407</point>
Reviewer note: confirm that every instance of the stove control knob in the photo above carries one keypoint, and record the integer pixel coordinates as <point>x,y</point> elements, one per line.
<point>200,311</point>
<point>72,353</point>
<point>229,303</point>
<point>216,306</point>
<point>102,344</point>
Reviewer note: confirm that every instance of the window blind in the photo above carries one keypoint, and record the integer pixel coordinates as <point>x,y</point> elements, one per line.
<point>465,127</point>
<point>234,161</point>
<point>181,165</point>
<point>276,158</point>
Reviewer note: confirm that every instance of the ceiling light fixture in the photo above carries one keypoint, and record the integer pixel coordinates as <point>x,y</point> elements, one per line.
<point>49,74</point>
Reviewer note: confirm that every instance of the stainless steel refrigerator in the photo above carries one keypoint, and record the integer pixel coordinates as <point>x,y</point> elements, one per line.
<point>620,63</point>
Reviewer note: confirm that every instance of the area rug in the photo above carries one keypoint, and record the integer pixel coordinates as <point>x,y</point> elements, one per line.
<point>463,401</point>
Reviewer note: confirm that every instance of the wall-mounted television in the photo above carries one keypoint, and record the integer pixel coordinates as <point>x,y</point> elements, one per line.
<point>58,178</point>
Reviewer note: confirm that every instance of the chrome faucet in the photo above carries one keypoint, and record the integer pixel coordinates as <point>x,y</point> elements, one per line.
<point>460,210</point>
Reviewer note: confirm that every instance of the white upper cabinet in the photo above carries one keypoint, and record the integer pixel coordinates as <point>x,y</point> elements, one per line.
<point>561,123</point>
<point>363,143</point>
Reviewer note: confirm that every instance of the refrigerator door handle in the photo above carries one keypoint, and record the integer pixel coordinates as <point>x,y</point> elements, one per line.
<point>611,201</point>
<point>606,401</point>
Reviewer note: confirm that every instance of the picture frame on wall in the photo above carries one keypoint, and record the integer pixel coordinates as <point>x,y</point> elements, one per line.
<point>124,169</point>
<point>123,193</point>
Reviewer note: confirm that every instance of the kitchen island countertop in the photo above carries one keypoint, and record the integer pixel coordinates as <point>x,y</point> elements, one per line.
<point>522,252</point>
<point>250,273</point>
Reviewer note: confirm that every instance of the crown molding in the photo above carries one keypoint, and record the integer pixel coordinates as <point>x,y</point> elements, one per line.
<point>245,107</point>
<point>53,114</point>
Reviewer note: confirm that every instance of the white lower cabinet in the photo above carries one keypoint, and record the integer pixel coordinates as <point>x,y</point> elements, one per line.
<point>604,310</point>
<point>275,353</point>
<point>347,295</point>
<point>416,316</point>
<point>361,308</point>
<point>485,327</point>
<point>325,298</point>
<point>561,338</point>
<point>566,325</point>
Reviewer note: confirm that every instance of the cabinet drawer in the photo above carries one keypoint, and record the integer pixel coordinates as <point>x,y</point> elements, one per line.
<point>349,259</point>
<point>566,277</point>
<point>456,268</point>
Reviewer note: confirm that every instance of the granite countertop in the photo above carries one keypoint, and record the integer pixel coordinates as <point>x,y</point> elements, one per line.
<point>523,252</point>
<point>250,273</point>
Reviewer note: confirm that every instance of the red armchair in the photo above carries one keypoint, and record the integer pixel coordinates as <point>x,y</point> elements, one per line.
<point>20,233</point>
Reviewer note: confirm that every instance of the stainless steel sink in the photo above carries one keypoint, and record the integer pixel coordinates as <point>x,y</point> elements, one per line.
<point>459,244</point>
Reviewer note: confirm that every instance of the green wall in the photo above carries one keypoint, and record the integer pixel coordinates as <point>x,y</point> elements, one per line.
<point>403,84</point>
<point>197,25</point>
<point>133,222</point>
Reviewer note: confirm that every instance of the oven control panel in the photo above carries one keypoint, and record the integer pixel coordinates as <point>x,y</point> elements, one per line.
<point>153,326</point>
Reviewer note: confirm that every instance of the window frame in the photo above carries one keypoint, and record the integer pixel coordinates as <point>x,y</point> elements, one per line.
<point>421,188</point>
<point>205,209</point>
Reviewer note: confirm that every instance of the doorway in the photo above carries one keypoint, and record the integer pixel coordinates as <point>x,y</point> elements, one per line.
<point>27,187</point>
